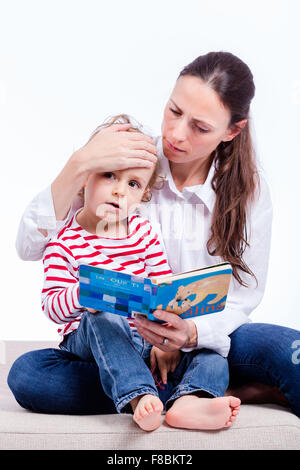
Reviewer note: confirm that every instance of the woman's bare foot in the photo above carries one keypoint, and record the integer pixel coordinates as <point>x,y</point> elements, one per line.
<point>147,412</point>
<point>192,412</point>
<point>256,392</point>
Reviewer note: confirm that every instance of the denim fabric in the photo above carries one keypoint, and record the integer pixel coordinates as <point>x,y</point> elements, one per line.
<point>122,356</point>
<point>267,353</point>
<point>108,340</point>
<point>57,381</point>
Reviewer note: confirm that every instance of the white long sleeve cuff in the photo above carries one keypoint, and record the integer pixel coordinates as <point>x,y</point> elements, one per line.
<point>213,330</point>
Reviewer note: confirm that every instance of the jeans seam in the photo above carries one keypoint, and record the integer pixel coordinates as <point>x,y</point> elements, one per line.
<point>104,359</point>
<point>145,346</point>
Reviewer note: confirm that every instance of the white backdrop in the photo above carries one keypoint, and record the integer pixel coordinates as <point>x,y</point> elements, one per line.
<point>65,65</point>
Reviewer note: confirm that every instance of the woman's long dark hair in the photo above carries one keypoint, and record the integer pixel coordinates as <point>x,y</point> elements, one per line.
<point>235,179</point>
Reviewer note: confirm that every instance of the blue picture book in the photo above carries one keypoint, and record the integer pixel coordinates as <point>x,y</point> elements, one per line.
<point>188,294</point>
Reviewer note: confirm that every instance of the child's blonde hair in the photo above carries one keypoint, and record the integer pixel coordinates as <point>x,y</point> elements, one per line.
<point>156,180</point>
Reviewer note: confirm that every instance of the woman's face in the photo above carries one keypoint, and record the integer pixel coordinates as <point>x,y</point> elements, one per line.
<point>195,121</point>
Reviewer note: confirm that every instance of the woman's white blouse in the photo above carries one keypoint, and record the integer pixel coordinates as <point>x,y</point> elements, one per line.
<point>183,221</point>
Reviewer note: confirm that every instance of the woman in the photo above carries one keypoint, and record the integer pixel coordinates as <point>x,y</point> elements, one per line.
<point>212,180</point>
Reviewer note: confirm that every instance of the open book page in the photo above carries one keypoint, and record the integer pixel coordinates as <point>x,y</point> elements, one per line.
<point>194,272</point>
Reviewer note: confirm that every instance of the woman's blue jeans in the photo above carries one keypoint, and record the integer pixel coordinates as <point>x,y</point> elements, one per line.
<point>59,381</point>
<point>122,357</point>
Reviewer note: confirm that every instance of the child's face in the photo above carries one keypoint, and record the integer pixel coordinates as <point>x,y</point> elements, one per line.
<point>114,195</point>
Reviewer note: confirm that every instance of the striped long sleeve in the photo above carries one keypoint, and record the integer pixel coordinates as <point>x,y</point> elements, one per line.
<point>156,263</point>
<point>61,286</point>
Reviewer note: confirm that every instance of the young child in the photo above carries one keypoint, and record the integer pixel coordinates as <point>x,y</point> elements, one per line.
<point>107,232</point>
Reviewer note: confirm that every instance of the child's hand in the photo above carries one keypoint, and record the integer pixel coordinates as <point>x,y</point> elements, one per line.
<point>92,310</point>
<point>165,361</point>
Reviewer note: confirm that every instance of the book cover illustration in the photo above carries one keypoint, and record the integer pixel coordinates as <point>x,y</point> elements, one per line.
<point>199,293</point>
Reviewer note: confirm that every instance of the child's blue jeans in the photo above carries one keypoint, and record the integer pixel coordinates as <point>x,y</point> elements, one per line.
<point>122,356</point>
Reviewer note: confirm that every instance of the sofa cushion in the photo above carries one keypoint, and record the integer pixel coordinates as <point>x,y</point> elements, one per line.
<point>257,426</point>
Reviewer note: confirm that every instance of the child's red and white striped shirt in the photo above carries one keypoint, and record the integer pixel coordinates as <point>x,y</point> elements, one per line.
<point>139,253</point>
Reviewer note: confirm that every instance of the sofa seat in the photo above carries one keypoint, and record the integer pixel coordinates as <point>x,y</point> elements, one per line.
<point>257,426</point>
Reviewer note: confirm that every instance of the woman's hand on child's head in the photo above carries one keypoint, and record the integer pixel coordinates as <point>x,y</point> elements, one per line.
<point>112,148</point>
<point>165,361</point>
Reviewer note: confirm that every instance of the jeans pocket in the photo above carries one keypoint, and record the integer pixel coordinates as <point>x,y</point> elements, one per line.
<point>64,343</point>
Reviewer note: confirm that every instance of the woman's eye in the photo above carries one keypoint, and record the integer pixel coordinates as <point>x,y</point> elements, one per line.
<point>175,112</point>
<point>201,130</point>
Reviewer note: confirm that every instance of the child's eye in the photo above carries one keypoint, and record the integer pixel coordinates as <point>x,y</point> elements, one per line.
<point>134,184</point>
<point>109,175</point>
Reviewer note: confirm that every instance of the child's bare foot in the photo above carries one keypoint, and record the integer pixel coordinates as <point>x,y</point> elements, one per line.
<point>147,412</point>
<point>192,412</point>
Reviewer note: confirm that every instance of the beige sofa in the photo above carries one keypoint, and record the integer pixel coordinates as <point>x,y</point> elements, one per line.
<point>257,426</point>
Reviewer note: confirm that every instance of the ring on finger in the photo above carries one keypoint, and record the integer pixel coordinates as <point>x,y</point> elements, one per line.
<point>164,341</point>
